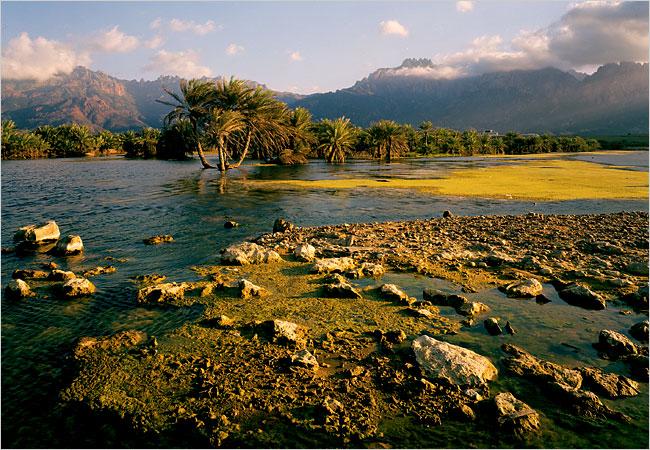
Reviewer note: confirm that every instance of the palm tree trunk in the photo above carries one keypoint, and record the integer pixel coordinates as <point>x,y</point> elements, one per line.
<point>204,162</point>
<point>244,152</point>
<point>222,157</point>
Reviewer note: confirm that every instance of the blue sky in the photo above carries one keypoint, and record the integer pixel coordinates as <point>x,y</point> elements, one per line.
<point>296,46</point>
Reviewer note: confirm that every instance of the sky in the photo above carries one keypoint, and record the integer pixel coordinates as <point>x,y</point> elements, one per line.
<point>308,47</point>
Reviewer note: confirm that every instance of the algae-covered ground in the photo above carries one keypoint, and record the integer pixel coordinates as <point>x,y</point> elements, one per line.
<point>225,380</point>
<point>532,178</point>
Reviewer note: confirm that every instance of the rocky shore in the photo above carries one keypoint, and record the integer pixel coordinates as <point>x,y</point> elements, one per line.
<point>301,343</point>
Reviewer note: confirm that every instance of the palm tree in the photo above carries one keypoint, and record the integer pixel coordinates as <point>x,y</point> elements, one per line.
<point>194,103</point>
<point>336,138</point>
<point>220,131</point>
<point>388,139</point>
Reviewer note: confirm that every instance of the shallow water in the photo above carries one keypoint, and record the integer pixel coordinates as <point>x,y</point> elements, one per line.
<point>115,203</point>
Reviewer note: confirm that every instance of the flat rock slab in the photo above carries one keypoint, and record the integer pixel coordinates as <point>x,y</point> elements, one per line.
<point>162,293</point>
<point>248,253</point>
<point>45,232</point>
<point>455,364</point>
<point>334,265</point>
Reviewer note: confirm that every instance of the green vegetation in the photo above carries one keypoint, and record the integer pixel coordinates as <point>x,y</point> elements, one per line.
<point>628,141</point>
<point>236,120</point>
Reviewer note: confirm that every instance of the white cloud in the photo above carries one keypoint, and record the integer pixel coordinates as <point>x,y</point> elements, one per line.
<point>388,27</point>
<point>114,41</point>
<point>154,42</point>
<point>588,35</point>
<point>200,29</point>
<point>234,49</point>
<point>464,6</point>
<point>185,64</point>
<point>295,56</point>
<point>156,24</point>
<point>39,58</point>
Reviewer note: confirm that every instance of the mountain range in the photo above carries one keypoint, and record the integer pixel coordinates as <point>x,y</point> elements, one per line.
<point>612,100</point>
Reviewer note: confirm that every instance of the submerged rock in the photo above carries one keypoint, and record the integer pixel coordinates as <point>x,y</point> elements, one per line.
<point>526,288</point>
<point>441,298</point>
<point>515,416</point>
<point>525,365</point>
<point>248,253</point>
<point>249,290</point>
<point>78,287</point>
<point>161,293</point>
<point>639,331</point>
<point>334,265</point>
<point>579,295</point>
<point>69,245</point>
<point>230,224</point>
<point>45,232</point>
<point>118,341</point>
<point>17,289</point>
<point>615,345</point>
<point>472,309</point>
<point>25,274</point>
<point>455,364</point>
<point>492,326</point>
<point>305,252</point>
<point>282,225</point>
<point>395,294</point>
<point>609,384</point>
<point>149,278</point>
<point>158,239</point>
<point>99,270</point>
<point>341,289</point>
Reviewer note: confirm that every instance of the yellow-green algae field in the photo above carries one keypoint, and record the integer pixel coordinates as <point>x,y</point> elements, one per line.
<point>532,179</point>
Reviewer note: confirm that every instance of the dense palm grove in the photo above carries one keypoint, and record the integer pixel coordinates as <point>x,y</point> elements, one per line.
<point>236,121</point>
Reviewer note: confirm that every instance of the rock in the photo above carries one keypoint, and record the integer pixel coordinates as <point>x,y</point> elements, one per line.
<point>305,252</point>
<point>579,295</point>
<point>639,331</point>
<point>639,365</point>
<point>286,333</point>
<point>48,231</point>
<point>464,412</point>
<point>509,329</point>
<point>331,406</point>
<point>7,250</point>
<point>441,298</point>
<point>583,403</point>
<point>69,245</point>
<point>525,365</point>
<point>423,312</point>
<point>99,270</point>
<point>334,265</point>
<point>638,299</point>
<point>615,345</point>
<point>61,275</point>
<point>123,339</point>
<point>249,290</point>
<point>472,309</point>
<point>455,364</point>
<point>492,326</point>
<point>637,268</point>
<point>161,293</point>
<point>223,321</point>
<point>541,299</point>
<point>609,384</point>
<point>372,270</point>
<point>393,293</point>
<point>149,279</point>
<point>496,259</point>
<point>394,337</point>
<point>230,224</point>
<point>526,288</point>
<point>341,290</point>
<point>515,416</point>
<point>281,225</point>
<point>447,214</point>
<point>78,287</point>
<point>248,253</point>
<point>158,239</point>
<point>26,274</point>
<point>50,265</point>
<point>17,289</point>
<point>305,359</point>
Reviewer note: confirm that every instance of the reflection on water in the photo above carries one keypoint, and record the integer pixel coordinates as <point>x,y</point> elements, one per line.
<point>115,203</point>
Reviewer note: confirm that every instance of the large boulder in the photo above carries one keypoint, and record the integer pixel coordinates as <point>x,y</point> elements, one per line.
<point>69,245</point>
<point>17,289</point>
<point>526,288</point>
<point>161,293</point>
<point>249,290</point>
<point>524,364</point>
<point>609,384</point>
<point>455,364</point>
<point>334,265</point>
<point>78,287</point>
<point>45,232</point>
<point>515,416</point>
<point>305,252</point>
<point>395,294</point>
<point>248,253</point>
<point>615,345</point>
<point>579,295</point>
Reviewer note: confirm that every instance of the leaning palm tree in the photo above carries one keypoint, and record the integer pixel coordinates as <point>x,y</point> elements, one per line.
<point>194,103</point>
<point>336,138</point>
<point>221,131</point>
<point>388,139</point>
